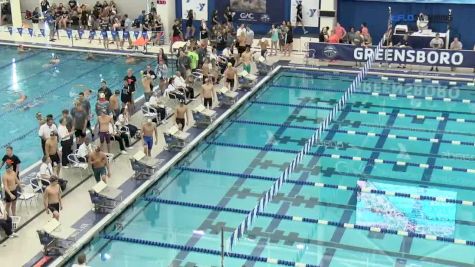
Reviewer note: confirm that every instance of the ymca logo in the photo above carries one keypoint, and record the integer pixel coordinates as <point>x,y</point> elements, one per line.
<point>299,2</point>
<point>312,12</point>
<point>201,6</point>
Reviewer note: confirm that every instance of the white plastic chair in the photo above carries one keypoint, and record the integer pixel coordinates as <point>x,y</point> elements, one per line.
<point>76,163</point>
<point>27,194</point>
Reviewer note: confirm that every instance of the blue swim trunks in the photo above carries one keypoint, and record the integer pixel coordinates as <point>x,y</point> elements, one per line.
<point>148,141</point>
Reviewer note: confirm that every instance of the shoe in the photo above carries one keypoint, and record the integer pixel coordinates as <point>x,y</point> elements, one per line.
<point>436,69</point>
<point>130,148</point>
<point>13,235</point>
<point>432,69</point>
<point>123,152</point>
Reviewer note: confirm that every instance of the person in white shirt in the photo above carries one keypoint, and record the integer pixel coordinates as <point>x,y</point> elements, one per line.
<point>46,169</point>
<point>240,30</point>
<point>436,43</point>
<point>45,131</point>
<point>172,90</point>
<point>84,150</point>
<point>6,221</point>
<point>178,81</point>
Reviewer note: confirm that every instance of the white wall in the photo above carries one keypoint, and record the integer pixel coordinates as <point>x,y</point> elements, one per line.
<point>328,5</point>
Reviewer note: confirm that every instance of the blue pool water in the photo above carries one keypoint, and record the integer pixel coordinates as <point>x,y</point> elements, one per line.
<point>49,90</point>
<point>234,166</point>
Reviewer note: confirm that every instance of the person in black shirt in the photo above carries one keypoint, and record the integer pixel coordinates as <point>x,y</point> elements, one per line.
<point>73,4</point>
<point>228,14</point>
<point>44,6</point>
<point>215,19</point>
<point>105,90</point>
<point>323,36</point>
<point>190,29</point>
<point>13,159</point>
<point>129,84</point>
<point>35,16</point>
<point>299,18</point>
<point>104,28</point>
<point>177,35</point>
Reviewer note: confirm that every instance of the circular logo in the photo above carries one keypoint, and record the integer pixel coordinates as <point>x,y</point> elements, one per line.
<point>330,51</point>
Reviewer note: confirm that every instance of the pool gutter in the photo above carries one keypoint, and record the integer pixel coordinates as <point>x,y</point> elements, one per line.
<point>87,237</point>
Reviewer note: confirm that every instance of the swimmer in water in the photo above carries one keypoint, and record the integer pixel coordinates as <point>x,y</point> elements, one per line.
<point>90,56</point>
<point>22,49</point>
<point>21,99</point>
<point>130,60</point>
<point>54,61</point>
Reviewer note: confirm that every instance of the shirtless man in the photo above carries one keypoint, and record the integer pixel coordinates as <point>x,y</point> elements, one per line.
<point>100,165</point>
<point>149,130</point>
<point>21,99</point>
<point>246,60</point>
<point>147,86</point>
<point>208,93</point>
<point>230,76</point>
<point>52,197</point>
<point>104,121</point>
<point>129,59</point>
<point>114,104</point>
<point>10,184</point>
<point>180,116</point>
<point>51,150</point>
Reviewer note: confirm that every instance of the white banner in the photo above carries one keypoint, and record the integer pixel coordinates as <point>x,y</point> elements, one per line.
<point>199,7</point>
<point>310,12</point>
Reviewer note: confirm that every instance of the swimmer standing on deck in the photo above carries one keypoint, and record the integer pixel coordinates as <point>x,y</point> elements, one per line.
<point>149,130</point>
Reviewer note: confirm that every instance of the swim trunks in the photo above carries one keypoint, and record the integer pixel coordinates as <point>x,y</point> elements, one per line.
<point>148,141</point>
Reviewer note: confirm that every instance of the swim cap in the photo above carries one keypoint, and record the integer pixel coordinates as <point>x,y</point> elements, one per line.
<point>229,64</point>
<point>102,95</point>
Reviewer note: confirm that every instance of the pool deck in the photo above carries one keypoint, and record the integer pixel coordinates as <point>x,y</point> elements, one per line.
<point>77,207</point>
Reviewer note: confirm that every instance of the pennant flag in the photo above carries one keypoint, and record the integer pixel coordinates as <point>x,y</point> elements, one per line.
<point>10,30</point>
<point>30,31</point>
<point>80,33</point>
<point>114,34</point>
<point>69,32</point>
<point>125,35</point>
<point>20,31</point>
<point>136,34</point>
<point>42,31</point>
<point>104,34</point>
<point>145,35</point>
<point>92,34</point>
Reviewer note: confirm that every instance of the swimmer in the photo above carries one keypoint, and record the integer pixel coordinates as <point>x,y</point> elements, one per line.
<point>22,49</point>
<point>87,93</point>
<point>90,56</point>
<point>54,61</point>
<point>21,99</point>
<point>130,60</point>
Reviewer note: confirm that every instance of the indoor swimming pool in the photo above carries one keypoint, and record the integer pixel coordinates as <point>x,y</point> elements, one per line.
<point>407,136</point>
<point>49,90</point>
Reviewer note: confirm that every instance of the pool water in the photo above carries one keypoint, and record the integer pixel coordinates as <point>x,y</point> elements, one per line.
<point>49,90</point>
<point>238,163</point>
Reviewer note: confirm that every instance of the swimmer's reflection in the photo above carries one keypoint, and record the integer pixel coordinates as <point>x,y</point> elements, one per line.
<point>183,181</point>
<point>208,155</point>
<point>152,213</point>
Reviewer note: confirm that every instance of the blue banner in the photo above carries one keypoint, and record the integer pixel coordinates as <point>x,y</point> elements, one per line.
<point>69,32</point>
<point>10,30</point>
<point>104,34</point>
<point>145,35</point>
<point>80,33</point>
<point>136,34</point>
<point>30,31</point>
<point>114,34</point>
<point>42,31</point>
<point>20,31</point>
<point>257,11</point>
<point>125,35</point>
<point>396,55</point>
<point>92,34</point>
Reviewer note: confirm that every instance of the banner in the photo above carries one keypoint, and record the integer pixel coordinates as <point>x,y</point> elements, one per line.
<point>10,30</point>
<point>92,34</point>
<point>125,35</point>
<point>42,31</point>
<point>30,31</point>
<point>20,31</point>
<point>256,11</point>
<point>145,35</point>
<point>395,55</point>
<point>80,33</point>
<point>310,12</point>
<point>199,7</point>
<point>69,32</point>
<point>136,34</point>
